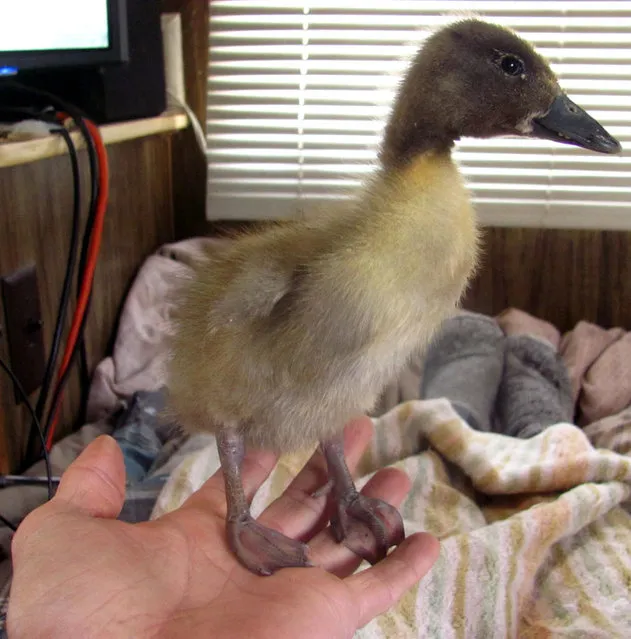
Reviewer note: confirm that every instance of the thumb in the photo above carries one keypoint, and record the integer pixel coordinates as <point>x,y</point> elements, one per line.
<point>95,482</point>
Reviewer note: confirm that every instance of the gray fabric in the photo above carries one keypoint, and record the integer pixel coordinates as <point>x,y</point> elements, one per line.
<point>516,385</point>
<point>464,364</point>
<point>535,391</point>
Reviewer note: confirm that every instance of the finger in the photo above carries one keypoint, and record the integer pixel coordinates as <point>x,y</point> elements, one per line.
<point>390,485</point>
<point>377,589</point>
<point>211,497</point>
<point>296,513</point>
<point>95,481</point>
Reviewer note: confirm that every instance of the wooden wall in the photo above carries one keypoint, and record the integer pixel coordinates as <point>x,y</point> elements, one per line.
<point>563,276</point>
<point>35,218</point>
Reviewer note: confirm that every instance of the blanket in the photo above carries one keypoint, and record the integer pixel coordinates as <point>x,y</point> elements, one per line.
<point>535,533</point>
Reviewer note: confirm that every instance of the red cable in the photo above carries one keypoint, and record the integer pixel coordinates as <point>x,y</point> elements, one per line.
<point>92,258</point>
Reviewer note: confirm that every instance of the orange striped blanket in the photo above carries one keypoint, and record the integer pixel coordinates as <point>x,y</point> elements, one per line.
<point>536,534</point>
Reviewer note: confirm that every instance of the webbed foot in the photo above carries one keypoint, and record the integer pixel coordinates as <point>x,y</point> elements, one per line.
<point>367,526</point>
<point>263,550</point>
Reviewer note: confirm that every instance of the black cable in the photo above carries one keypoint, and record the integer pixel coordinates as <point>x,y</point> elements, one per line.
<point>6,481</point>
<point>27,402</point>
<point>78,116</point>
<point>8,524</point>
<point>71,263</point>
<point>64,300</point>
<point>54,405</point>
<point>85,248</point>
<point>84,372</point>
<point>80,346</point>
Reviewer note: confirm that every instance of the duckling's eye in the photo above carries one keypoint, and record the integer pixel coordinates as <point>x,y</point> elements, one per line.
<point>511,65</point>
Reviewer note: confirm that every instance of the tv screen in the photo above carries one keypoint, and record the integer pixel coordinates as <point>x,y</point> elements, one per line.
<point>39,34</point>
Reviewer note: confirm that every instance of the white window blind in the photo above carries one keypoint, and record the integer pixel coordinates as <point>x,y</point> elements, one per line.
<point>299,92</point>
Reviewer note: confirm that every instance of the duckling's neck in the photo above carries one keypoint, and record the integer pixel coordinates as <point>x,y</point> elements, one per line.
<point>412,134</point>
<point>422,119</point>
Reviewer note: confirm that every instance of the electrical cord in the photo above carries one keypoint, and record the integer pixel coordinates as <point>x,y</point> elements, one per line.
<point>55,403</point>
<point>67,283</point>
<point>51,119</point>
<point>87,264</point>
<point>200,136</point>
<point>7,481</point>
<point>78,324</point>
<point>93,162</point>
<point>7,523</point>
<point>80,120</point>
<point>24,397</point>
<point>85,243</point>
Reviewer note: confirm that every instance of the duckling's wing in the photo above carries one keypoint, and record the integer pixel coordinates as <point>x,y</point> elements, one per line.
<point>253,292</point>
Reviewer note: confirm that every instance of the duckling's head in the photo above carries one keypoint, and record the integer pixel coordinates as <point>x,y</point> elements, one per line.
<point>476,79</point>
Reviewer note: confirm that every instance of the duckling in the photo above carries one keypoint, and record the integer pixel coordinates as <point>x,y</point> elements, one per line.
<point>290,332</point>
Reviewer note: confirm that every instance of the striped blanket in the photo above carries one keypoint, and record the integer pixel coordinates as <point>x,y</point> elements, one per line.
<point>535,534</point>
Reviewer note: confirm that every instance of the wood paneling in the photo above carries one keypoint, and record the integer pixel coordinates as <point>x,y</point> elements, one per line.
<point>563,276</point>
<point>35,219</point>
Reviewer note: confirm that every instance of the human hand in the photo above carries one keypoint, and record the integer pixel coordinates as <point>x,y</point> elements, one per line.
<point>79,572</point>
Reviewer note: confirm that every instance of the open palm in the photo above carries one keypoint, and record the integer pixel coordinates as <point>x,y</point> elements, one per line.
<point>79,572</point>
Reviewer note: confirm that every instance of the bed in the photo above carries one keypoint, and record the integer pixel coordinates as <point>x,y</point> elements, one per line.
<point>536,532</point>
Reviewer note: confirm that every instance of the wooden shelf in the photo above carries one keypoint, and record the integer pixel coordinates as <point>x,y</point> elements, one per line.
<point>23,152</point>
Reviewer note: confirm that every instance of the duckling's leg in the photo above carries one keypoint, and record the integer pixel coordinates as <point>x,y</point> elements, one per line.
<point>367,526</point>
<point>262,550</point>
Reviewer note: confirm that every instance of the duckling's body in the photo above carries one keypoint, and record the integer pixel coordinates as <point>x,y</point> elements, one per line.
<point>290,332</point>
<point>358,292</point>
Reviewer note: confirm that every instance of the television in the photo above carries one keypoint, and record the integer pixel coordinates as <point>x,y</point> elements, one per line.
<point>56,34</point>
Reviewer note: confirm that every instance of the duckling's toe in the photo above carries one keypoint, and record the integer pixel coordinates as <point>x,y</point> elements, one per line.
<point>262,550</point>
<point>369,527</point>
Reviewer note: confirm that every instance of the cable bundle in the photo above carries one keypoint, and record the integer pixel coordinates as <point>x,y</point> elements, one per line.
<point>58,114</point>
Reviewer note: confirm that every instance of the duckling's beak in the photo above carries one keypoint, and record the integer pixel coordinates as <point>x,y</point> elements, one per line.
<point>566,122</point>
